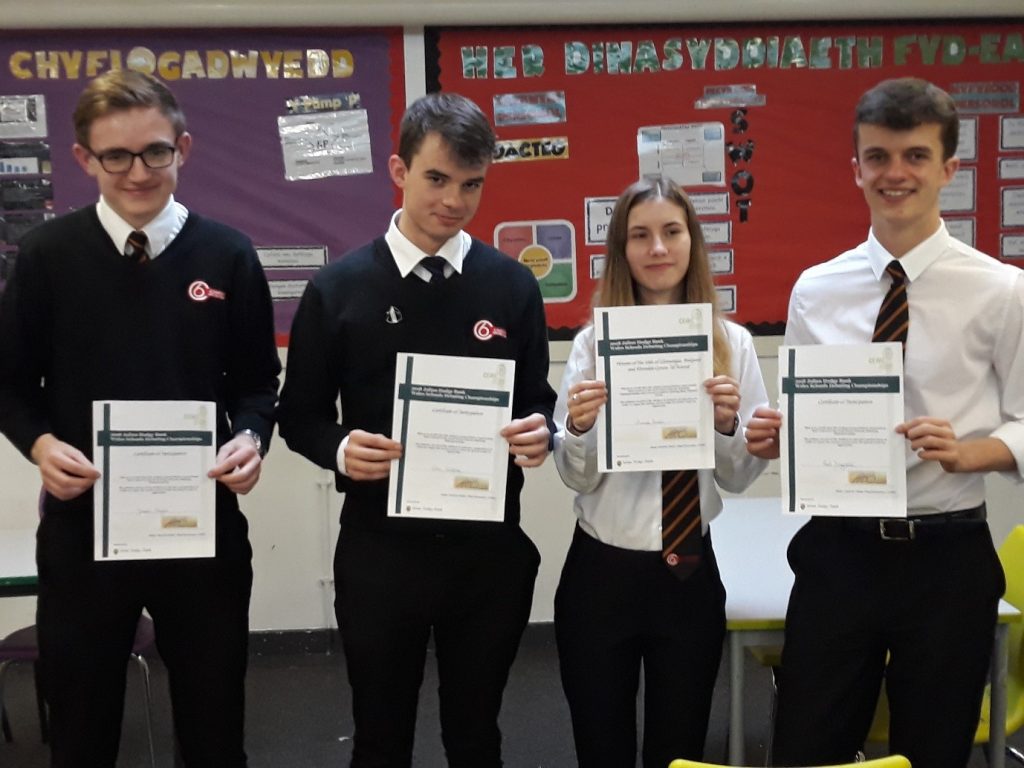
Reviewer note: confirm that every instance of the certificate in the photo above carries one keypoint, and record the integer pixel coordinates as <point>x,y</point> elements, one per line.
<point>449,412</point>
<point>840,452</point>
<point>654,361</point>
<point>153,499</point>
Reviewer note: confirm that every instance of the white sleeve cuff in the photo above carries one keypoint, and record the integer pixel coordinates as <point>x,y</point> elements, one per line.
<point>341,455</point>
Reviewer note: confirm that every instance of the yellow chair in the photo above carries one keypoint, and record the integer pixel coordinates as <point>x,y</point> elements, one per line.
<point>892,761</point>
<point>1011,555</point>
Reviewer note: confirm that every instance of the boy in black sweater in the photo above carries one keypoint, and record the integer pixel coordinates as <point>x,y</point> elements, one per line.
<point>136,298</point>
<point>425,287</point>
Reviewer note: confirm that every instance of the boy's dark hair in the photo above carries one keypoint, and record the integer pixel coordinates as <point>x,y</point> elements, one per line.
<point>905,103</point>
<point>124,89</point>
<point>457,120</point>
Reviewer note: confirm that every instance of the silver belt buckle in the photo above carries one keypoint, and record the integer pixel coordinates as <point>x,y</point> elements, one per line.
<point>896,529</point>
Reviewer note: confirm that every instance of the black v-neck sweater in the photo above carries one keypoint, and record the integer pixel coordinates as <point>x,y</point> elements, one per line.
<point>81,322</point>
<point>359,312</point>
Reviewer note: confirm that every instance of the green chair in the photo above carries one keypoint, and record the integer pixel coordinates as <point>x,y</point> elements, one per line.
<point>1011,555</point>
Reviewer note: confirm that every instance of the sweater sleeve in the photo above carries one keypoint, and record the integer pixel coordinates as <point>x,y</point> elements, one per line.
<point>25,330</point>
<point>308,413</point>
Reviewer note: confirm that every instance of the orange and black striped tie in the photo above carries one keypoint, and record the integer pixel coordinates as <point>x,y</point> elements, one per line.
<point>681,539</point>
<point>135,249</point>
<point>894,314</point>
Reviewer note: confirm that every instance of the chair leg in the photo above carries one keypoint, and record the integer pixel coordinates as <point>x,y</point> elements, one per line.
<point>144,669</point>
<point>4,722</point>
<point>44,720</point>
<point>769,746</point>
<point>179,761</point>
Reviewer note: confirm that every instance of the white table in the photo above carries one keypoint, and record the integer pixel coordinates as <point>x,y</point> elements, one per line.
<point>750,539</point>
<point>17,562</point>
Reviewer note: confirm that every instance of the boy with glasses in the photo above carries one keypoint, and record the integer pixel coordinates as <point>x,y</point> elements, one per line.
<point>136,298</point>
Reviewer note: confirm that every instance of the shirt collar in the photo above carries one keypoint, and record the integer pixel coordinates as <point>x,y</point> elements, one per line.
<point>407,255</point>
<point>916,260</point>
<point>163,228</point>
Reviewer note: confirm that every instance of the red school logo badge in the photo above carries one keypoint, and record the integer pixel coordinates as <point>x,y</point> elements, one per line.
<point>201,291</point>
<point>485,330</point>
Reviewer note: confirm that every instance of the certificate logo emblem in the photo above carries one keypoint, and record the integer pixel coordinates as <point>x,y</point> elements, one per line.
<point>692,320</point>
<point>201,291</point>
<point>485,330</point>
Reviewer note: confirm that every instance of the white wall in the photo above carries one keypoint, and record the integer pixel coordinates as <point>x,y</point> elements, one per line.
<point>19,494</point>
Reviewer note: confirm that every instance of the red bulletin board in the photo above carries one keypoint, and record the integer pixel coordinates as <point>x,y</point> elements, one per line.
<point>569,103</point>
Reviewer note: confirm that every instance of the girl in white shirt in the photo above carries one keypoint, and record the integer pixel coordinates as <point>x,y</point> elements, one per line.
<point>619,605</point>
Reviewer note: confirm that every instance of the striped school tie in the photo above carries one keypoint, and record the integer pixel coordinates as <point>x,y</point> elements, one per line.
<point>894,314</point>
<point>681,537</point>
<point>135,249</point>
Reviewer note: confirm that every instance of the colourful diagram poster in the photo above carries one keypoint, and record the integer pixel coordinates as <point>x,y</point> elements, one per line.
<point>548,248</point>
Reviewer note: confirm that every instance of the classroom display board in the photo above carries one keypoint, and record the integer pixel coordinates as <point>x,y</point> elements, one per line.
<point>754,121</point>
<point>291,134</point>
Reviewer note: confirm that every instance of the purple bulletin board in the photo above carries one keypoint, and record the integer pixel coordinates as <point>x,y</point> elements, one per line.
<point>233,86</point>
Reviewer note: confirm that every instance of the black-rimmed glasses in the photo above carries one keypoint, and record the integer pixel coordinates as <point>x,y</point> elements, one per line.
<point>155,156</point>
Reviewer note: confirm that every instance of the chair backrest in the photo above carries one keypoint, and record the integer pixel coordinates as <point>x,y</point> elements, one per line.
<point>1011,555</point>
<point>892,761</point>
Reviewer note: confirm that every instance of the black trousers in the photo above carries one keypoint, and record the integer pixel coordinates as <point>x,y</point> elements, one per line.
<point>474,591</point>
<point>617,610</point>
<point>87,614</point>
<point>930,604</point>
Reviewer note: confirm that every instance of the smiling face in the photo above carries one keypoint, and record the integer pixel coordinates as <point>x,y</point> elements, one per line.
<point>139,194</point>
<point>439,195</point>
<point>901,174</point>
<point>658,250</point>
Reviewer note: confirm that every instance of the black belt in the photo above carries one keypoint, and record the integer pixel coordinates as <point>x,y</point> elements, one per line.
<point>907,528</point>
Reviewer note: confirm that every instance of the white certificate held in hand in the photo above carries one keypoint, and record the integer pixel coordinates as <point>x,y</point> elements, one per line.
<point>840,452</point>
<point>449,412</point>
<point>153,499</point>
<point>654,361</point>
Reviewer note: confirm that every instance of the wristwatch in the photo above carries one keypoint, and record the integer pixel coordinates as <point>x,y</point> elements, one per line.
<point>255,438</point>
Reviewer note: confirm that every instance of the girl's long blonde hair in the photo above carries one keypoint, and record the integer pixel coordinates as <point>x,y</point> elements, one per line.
<point>619,289</point>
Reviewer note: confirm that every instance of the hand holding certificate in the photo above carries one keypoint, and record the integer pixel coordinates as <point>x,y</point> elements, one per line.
<point>654,361</point>
<point>154,499</point>
<point>839,449</point>
<point>449,412</point>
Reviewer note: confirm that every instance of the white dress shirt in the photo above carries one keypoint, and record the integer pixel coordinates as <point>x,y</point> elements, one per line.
<point>623,509</point>
<point>164,227</point>
<point>407,256</point>
<point>965,347</point>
